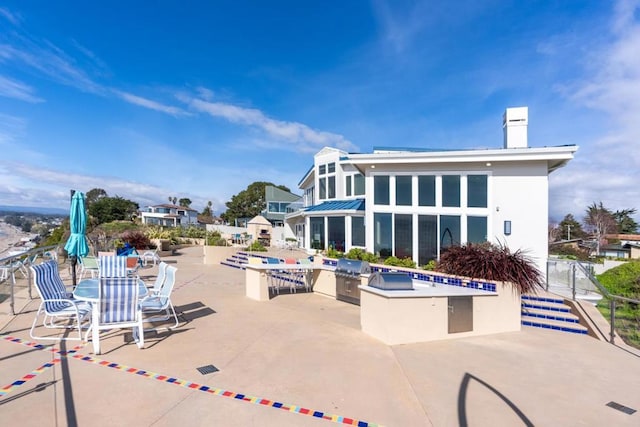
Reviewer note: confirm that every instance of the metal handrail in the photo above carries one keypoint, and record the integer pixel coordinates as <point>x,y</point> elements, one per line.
<point>8,261</point>
<point>605,292</point>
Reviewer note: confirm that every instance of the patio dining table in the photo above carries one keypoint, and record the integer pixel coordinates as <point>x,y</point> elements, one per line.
<point>89,290</point>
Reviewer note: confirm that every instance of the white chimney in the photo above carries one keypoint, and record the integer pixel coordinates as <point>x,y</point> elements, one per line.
<point>514,125</point>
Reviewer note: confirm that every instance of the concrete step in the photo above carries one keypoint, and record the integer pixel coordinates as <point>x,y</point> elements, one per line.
<point>551,315</point>
<point>232,264</point>
<point>557,325</point>
<point>543,298</point>
<point>545,305</point>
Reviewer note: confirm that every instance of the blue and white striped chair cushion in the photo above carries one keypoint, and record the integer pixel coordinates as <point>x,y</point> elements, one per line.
<point>118,300</point>
<point>51,287</point>
<point>113,266</point>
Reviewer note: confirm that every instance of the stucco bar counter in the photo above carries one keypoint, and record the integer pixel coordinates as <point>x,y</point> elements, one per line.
<point>437,312</point>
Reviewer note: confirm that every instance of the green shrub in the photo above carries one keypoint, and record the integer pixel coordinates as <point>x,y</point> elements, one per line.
<point>193,232</point>
<point>256,246</point>
<point>623,280</point>
<point>55,238</point>
<point>430,266</point>
<point>214,238</point>
<point>156,232</point>
<point>491,262</point>
<point>332,253</point>
<point>400,262</point>
<point>118,227</point>
<point>361,254</point>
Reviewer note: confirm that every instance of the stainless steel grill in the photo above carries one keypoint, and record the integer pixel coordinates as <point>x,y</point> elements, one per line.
<point>348,273</point>
<point>391,281</point>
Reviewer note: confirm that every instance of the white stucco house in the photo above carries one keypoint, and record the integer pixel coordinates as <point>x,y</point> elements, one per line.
<point>169,215</point>
<point>415,203</point>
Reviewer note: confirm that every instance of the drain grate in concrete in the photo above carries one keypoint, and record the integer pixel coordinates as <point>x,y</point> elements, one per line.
<point>619,407</point>
<point>207,369</point>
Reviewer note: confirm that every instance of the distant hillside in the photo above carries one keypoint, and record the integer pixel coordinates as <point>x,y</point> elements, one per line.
<point>29,209</point>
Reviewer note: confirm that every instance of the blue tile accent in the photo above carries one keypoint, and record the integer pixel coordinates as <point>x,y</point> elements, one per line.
<point>551,317</point>
<point>564,309</point>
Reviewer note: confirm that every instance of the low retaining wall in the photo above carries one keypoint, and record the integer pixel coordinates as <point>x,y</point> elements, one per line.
<point>217,254</point>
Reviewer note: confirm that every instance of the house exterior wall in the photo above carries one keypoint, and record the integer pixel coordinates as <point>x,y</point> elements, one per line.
<point>500,196</point>
<point>169,216</point>
<point>521,195</point>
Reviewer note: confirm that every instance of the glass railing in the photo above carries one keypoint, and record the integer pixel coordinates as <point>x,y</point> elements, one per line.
<point>576,280</point>
<point>15,272</point>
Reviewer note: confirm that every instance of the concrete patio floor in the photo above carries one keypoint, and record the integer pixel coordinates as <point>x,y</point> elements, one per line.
<point>301,360</point>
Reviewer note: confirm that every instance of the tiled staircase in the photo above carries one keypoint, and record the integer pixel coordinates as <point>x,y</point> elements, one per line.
<point>237,260</point>
<point>550,312</point>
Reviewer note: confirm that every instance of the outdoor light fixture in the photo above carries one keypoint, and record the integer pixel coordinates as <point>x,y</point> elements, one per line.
<point>507,228</point>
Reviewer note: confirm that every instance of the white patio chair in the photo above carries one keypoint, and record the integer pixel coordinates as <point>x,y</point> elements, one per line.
<point>150,256</point>
<point>89,265</point>
<point>161,301</point>
<point>57,303</point>
<point>113,266</point>
<point>119,307</point>
<point>162,274</point>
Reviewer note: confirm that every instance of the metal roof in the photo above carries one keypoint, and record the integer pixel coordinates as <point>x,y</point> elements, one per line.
<point>338,205</point>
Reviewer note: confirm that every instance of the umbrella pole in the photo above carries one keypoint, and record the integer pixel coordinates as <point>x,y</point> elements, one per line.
<point>74,262</point>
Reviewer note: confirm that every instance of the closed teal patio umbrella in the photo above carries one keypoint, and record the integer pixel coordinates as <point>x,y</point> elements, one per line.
<point>76,245</point>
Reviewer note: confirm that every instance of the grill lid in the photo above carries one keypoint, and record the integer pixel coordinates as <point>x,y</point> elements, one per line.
<point>352,267</point>
<point>391,281</point>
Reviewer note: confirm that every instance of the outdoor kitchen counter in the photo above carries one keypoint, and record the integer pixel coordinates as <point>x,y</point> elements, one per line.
<point>256,277</point>
<point>427,291</point>
<point>430,313</point>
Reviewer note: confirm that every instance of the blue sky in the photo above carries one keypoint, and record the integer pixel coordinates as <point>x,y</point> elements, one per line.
<point>199,99</point>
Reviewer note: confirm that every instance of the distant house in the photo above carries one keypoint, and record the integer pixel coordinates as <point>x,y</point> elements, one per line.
<point>621,246</point>
<point>278,204</point>
<point>168,215</point>
<point>415,203</point>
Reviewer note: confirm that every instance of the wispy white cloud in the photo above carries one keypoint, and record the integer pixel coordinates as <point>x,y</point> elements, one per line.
<point>37,186</point>
<point>607,167</point>
<point>52,63</point>
<point>304,137</point>
<point>147,103</point>
<point>13,18</point>
<point>10,88</point>
<point>398,30</point>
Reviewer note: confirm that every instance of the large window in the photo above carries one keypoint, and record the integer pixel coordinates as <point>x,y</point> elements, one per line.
<point>451,190</point>
<point>477,191</point>
<point>323,188</point>
<point>331,187</point>
<point>476,229</point>
<point>427,238</point>
<point>427,190</point>
<point>357,231</point>
<point>382,234</point>
<point>317,232</point>
<point>358,185</point>
<point>403,190</point>
<point>449,231</point>
<point>335,231</point>
<point>381,190</point>
<point>277,207</point>
<point>347,187</point>
<point>403,236</point>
